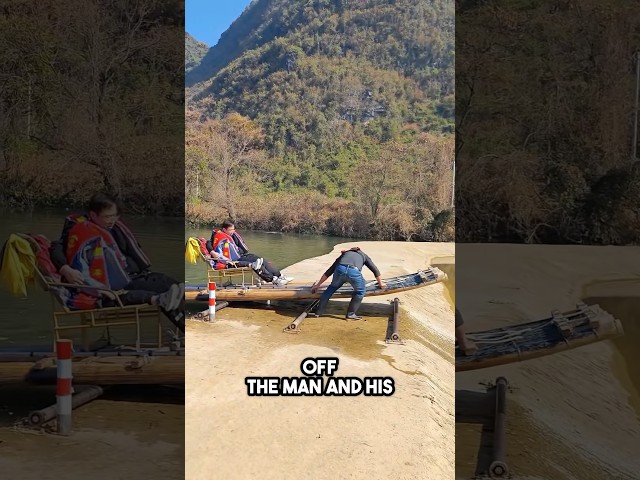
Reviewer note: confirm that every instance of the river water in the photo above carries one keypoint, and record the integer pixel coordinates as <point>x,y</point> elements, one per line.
<point>280,249</point>
<point>27,321</point>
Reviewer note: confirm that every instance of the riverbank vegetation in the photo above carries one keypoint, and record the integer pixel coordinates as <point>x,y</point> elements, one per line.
<point>545,96</point>
<point>382,191</point>
<point>91,98</point>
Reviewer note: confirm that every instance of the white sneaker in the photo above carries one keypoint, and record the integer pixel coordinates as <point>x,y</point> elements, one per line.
<point>280,281</point>
<point>288,279</point>
<point>170,300</point>
<point>257,264</point>
<point>176,296</point>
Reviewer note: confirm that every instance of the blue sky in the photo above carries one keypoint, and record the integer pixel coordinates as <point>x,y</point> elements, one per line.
<point>206,20</point>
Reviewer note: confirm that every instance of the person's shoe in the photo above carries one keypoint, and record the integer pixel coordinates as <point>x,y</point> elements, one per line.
<point>257,264</point>
<point>286,278</point>
<point>178,297</point>
<point>352,309</point>
<point>280,281</point>
<point>166,299</point>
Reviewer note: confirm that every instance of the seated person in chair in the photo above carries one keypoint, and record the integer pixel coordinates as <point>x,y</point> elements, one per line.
<point>99,250</point>
<point>228,247</point>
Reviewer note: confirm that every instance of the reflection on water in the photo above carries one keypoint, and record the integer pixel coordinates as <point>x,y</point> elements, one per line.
<point>280,249</point>
<point>27,321</point>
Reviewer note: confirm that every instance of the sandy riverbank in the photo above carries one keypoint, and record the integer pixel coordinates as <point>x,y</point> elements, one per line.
<point>409,435</point>
<point>124,435</point>
<point>572,414</point>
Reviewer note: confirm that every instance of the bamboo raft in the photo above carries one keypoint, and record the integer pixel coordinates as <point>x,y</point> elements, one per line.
<point>158,366</point>
<point>558,333</point>
<point>247,293</point>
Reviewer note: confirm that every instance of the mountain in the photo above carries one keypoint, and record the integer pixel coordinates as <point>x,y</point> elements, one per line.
<point>194,52</point>
<point>331,85</point>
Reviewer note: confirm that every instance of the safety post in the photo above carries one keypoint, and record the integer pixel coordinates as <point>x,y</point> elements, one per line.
<point>63,386</point>
<point>212,301</point>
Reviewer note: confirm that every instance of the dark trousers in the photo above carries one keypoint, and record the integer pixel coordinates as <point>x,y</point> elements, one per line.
<point>267,272</point>
<point>144,286</point>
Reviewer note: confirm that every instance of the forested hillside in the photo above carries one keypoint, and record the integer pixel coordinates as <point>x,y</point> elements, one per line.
<point>194,52</point>
<point>545,102</point>
<point>327,116</point>
<point>91,98</point>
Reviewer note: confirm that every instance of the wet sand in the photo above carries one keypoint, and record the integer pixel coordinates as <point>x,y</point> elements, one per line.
<point>119,436</point>
<point>574,414</point>
<point>409,435</point>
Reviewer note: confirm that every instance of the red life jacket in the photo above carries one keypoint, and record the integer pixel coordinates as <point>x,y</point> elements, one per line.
<point>86,234</point>
<point>223,244</point>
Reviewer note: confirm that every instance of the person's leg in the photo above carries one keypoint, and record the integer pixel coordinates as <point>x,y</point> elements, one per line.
<point>337,281</point>
<point>466,345</point>
<point>261,269</point>
<point>269,267</point>
<point>152,282</point>
<point>137,297</point>
<point>249,257</point>
<point>239,263</point>
<point>171,302</point>
<point>356,280</point>
<point>130,297</point>
<point>267,271</point>
<point>168,295</point>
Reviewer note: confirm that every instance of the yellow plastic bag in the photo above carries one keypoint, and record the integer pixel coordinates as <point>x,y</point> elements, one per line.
<point>17,265</point>
<point>192,252</point>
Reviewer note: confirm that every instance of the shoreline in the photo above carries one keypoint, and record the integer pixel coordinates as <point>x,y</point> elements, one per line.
<point>417,422</point>
<point>577,397</point>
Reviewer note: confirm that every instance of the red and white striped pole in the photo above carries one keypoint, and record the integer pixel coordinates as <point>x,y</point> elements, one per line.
<point>212,301</point>
<point>63,386</point>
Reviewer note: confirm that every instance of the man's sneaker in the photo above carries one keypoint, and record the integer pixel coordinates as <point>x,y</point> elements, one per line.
<point>167,299</point>
<point>280,281</point>
<point>285,278</point>
<point>257,264</point>
<point>353,316</point>
<point>177,297</point>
